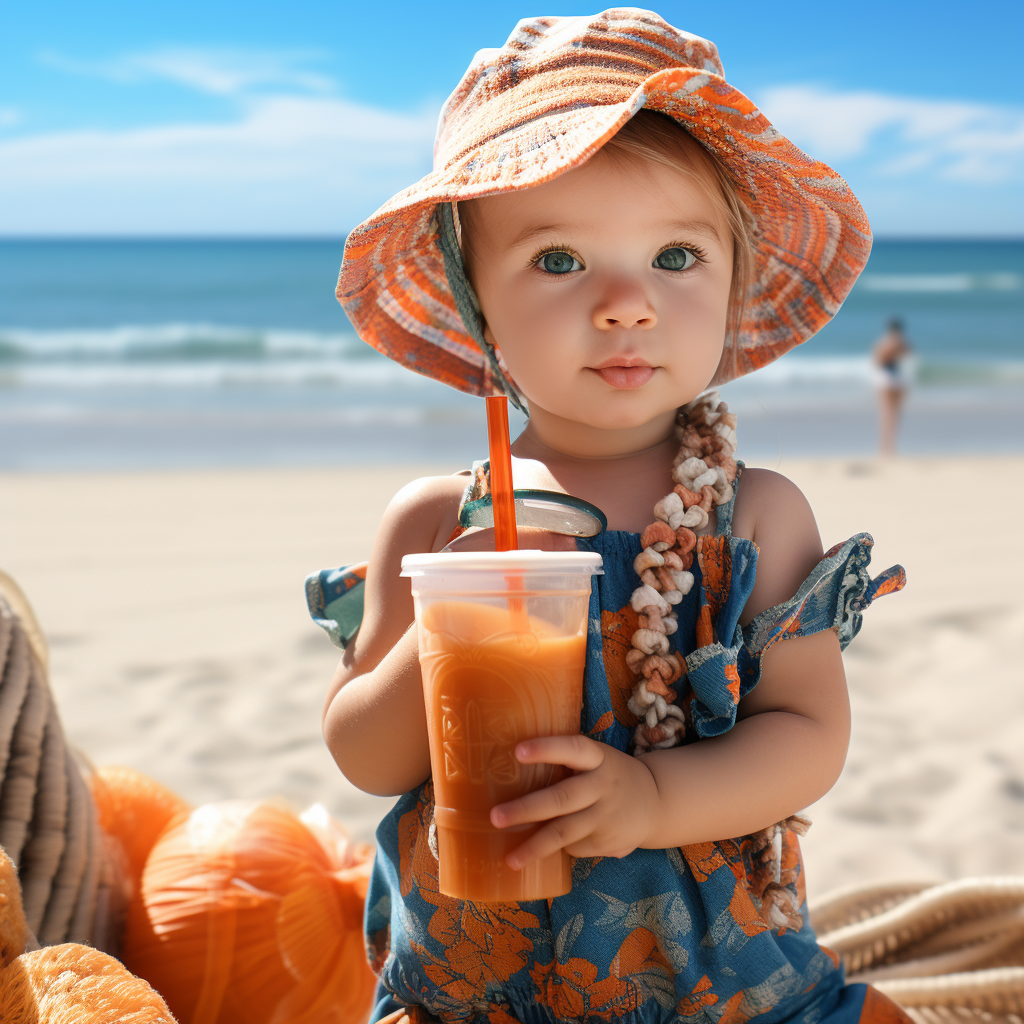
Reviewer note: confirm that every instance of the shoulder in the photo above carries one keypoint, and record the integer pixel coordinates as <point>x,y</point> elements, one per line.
<point>419,518</point>
<point>773,512</point>
<point>424,512</point>
<point>762,498</point>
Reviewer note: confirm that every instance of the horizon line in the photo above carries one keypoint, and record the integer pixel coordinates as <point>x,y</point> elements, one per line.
<point>318,237</point>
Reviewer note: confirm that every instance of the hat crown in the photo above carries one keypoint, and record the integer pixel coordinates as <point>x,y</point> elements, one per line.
<point>536,74</point>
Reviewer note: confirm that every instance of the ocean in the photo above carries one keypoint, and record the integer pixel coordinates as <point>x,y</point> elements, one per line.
<point>152,353</point>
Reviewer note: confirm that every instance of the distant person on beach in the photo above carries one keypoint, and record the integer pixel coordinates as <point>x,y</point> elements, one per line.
<point>891,358</point>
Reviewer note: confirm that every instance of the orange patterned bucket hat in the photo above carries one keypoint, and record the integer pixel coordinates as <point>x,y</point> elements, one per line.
<point>543,104</point>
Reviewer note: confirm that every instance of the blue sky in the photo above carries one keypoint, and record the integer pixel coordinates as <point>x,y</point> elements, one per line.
<point>301,116</point>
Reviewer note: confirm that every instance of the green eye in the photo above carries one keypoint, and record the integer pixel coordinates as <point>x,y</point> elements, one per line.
<point>675,259</point>
<point>559,262</point>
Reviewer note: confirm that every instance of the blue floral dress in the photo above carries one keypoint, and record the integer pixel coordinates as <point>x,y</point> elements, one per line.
<point>660,935</point>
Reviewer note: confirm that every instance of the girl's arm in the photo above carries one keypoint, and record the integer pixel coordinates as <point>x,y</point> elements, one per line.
<point>785,751</point>
<point>374,720</point>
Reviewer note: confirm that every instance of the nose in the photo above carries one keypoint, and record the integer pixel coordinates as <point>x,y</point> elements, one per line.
<point>624,304</point>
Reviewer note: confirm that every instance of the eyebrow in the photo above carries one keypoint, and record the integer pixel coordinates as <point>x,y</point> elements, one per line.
<point>529,233</point>
<point>700,226</point>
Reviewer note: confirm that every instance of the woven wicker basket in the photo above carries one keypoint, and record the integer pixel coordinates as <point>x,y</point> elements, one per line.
<point>48,824</point>
<point>950,952</point>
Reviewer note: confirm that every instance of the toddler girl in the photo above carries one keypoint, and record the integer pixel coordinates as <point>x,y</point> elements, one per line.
<point>610,229</point>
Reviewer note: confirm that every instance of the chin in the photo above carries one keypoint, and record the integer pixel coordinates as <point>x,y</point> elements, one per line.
<point>623,419</point>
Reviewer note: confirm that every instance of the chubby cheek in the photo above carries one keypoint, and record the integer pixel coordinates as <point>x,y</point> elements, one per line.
<point>700,327</point>
<point>545,373</point>
<point>540,342</point>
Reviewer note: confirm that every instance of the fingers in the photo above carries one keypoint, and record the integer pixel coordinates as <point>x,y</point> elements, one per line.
<point>565,808</point>
<point>545,540</point>
<point>580,753</point>
<point>556,835</point>
<point>565,797</point>
<point>482,539</point>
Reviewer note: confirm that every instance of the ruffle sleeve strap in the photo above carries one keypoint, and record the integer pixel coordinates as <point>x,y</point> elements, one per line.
<point>726,664</point>
<point>335,600</point>
<point>833,596</point>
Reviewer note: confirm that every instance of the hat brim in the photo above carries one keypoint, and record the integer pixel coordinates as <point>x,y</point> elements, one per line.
<point>812,237</point>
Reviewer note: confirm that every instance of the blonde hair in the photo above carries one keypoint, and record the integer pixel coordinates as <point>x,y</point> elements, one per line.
<point>655,137</point>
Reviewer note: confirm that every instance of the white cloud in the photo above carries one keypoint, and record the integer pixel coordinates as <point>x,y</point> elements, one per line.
<point>288,164</point>
<point>901,135</point>
<point>218,71</point>
<point>9,117</point>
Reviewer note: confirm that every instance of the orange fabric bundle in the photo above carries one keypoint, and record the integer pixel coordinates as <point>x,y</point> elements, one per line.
<point>65,983</point>
<point>71,982</point>
<point>247,914</point>
<point>134,809</point>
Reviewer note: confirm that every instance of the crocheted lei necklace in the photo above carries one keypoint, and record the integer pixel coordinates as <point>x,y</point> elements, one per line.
<point>703,470</point>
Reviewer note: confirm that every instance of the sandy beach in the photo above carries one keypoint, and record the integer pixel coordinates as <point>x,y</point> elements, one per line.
<point>180,643</point>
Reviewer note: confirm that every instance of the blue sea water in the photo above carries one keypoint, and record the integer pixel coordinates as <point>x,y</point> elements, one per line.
<point>202,352</point>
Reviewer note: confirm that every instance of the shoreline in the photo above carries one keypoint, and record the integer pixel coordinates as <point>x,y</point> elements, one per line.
<point>180,643</point>
<point>184,438</point>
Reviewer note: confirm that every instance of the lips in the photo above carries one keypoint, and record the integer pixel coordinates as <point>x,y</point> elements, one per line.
<point>625,375</point>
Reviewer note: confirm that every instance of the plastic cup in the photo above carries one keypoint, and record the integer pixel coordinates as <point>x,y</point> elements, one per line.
<point>502,645</point>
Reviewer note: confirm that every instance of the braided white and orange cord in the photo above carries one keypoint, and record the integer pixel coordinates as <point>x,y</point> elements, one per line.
<point>704,470</point>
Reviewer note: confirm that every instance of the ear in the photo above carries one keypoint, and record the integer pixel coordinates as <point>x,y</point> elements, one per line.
<point>489,335</point>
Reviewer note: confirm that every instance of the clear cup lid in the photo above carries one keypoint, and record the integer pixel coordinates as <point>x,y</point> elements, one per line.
<point>544,510</point>
<point>548,563</point>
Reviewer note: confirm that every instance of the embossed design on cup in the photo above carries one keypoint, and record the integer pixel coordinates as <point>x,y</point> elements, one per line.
<point>478,742</point>
<point>485,714</point>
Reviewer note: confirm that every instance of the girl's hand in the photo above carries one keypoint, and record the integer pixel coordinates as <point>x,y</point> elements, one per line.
<point>478,538</point>
<point>605,810</point>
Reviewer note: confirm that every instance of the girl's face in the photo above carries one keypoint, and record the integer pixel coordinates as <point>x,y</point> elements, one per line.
<point>606,291</point>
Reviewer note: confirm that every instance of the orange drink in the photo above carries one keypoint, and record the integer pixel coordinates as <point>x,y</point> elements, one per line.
<point>502,650</point>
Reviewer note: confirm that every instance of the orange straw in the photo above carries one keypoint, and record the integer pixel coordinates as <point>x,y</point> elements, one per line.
<point>506,536</point>
<point>502,500</point>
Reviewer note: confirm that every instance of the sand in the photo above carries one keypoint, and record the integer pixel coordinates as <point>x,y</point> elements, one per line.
<point>180,643</point>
